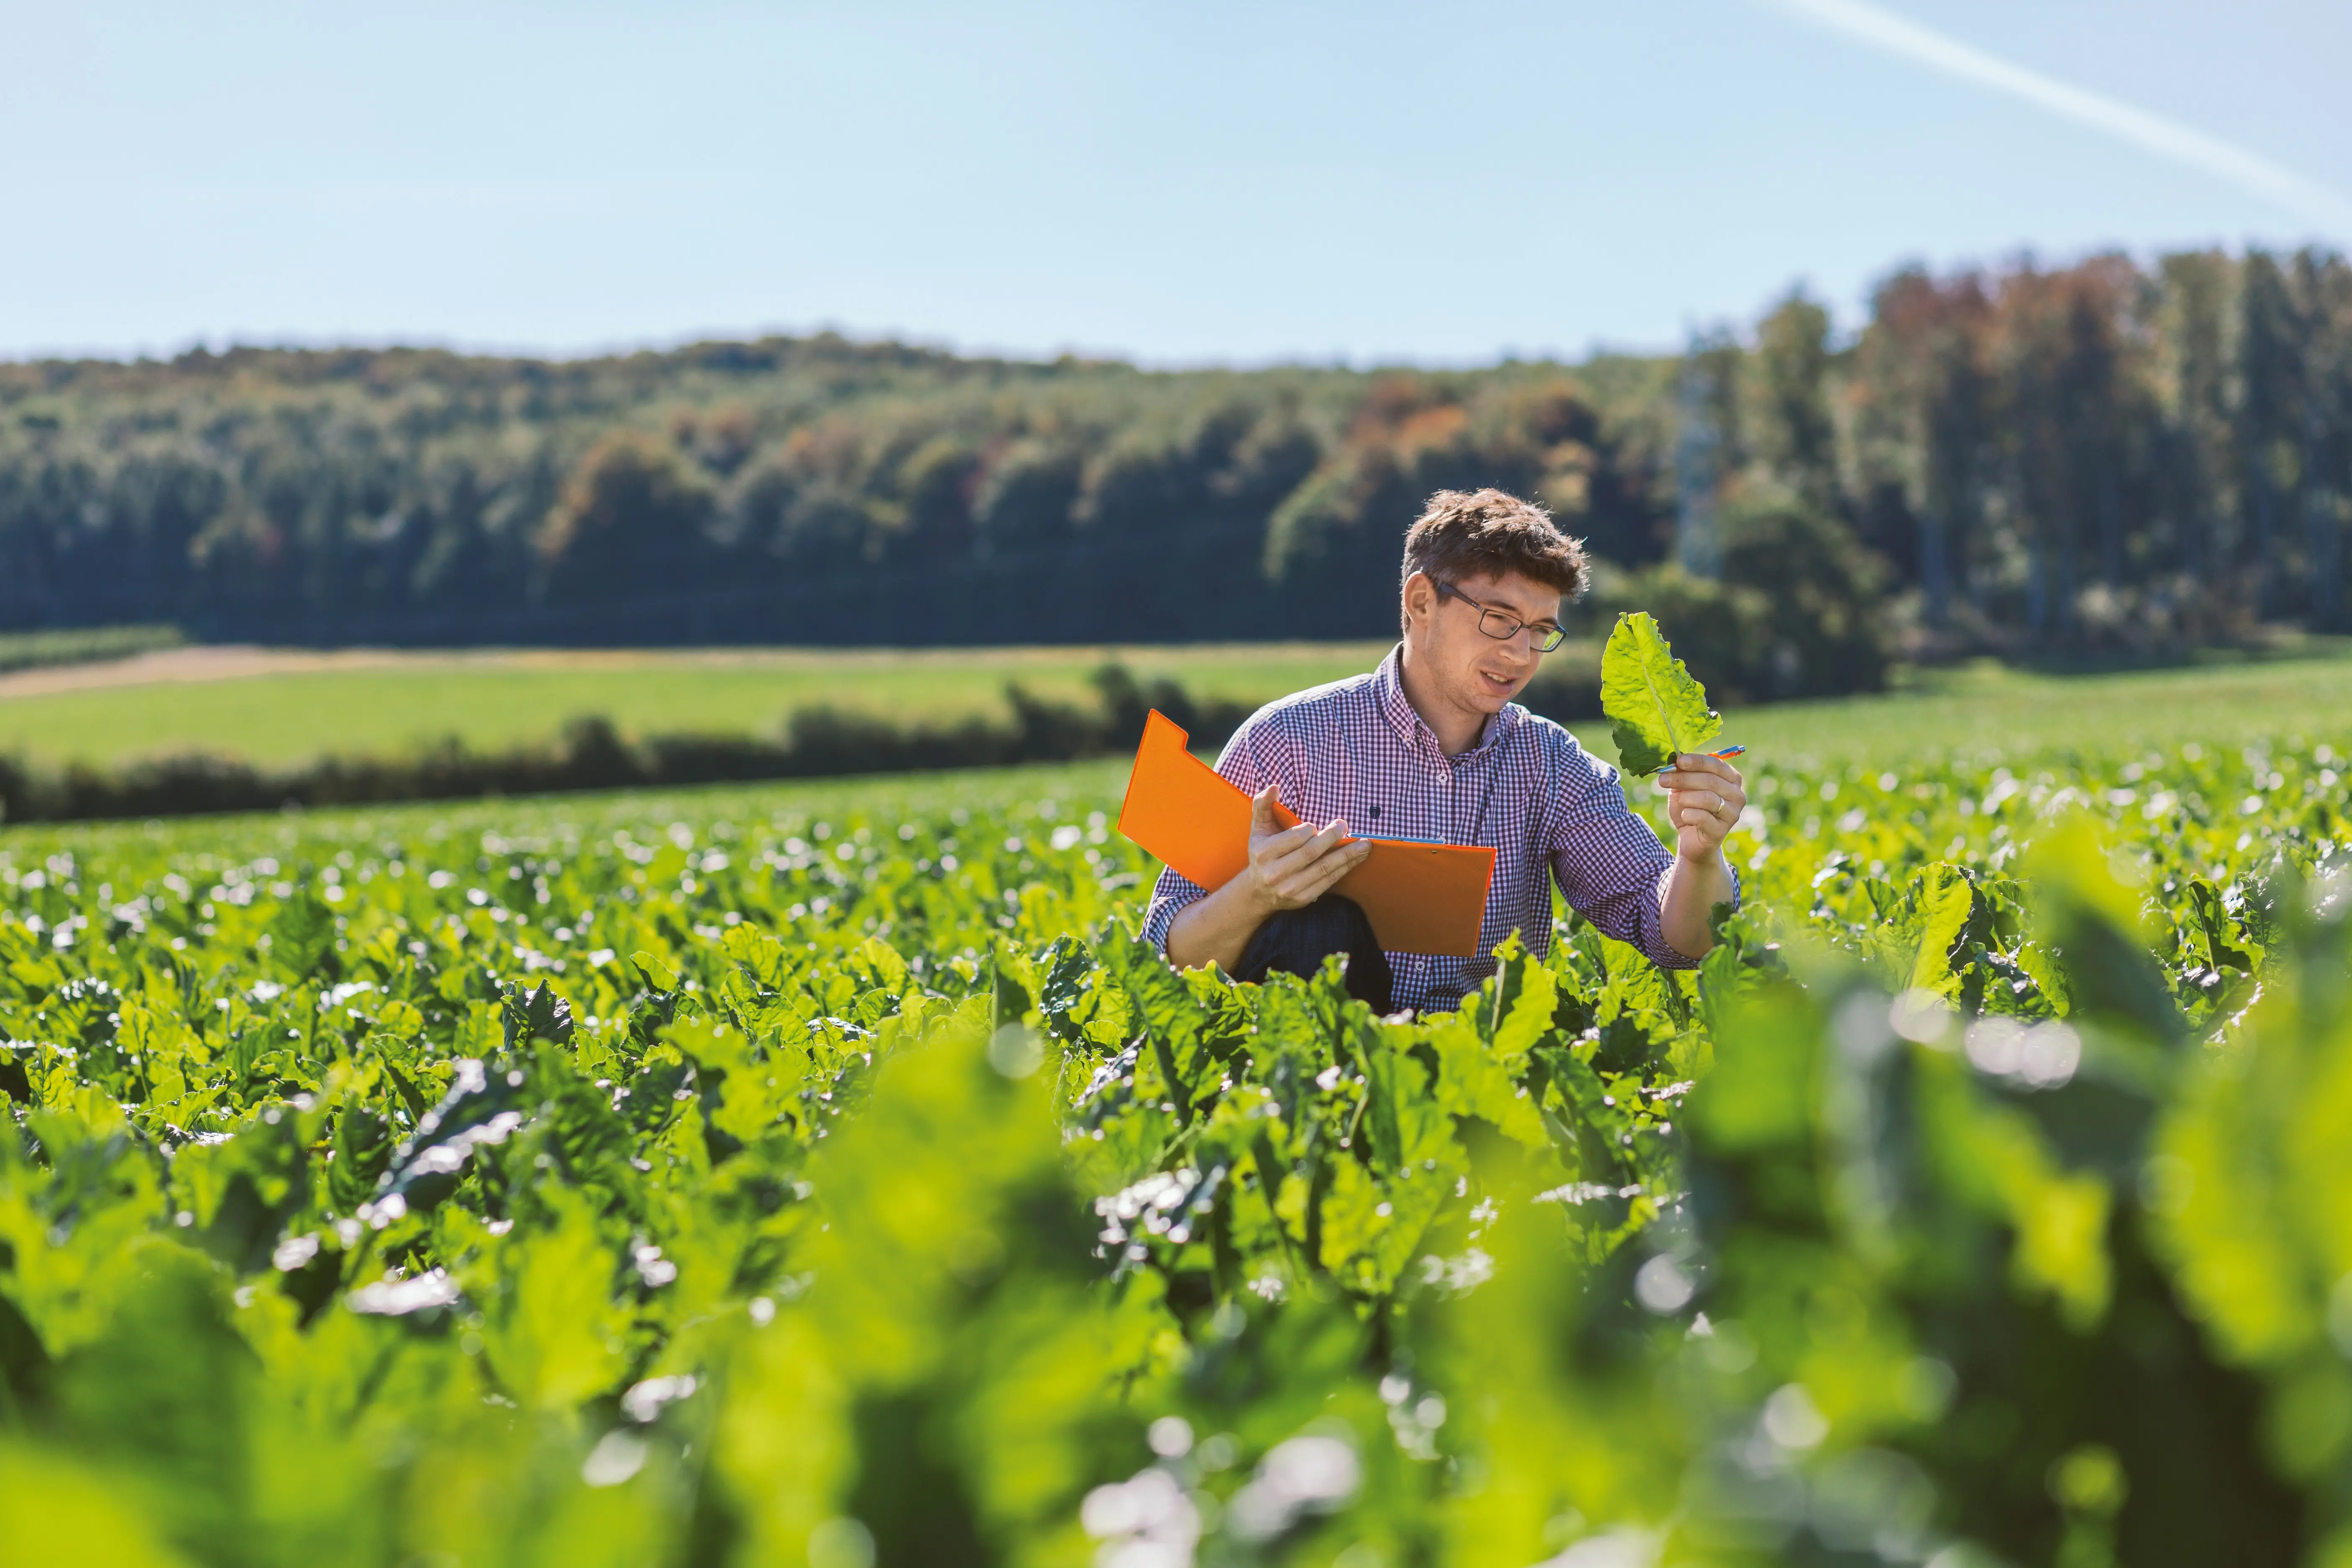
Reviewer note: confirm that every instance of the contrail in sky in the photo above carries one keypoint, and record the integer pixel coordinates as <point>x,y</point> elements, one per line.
<point>2193,149</point>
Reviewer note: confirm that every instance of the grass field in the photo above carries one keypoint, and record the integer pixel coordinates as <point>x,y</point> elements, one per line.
<point>1981,713</point>
<point>383,703</point>
<point>1987,714</point>
<point>1980,718</point>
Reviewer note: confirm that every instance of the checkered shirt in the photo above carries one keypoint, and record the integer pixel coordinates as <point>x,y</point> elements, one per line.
<point>1357,749</point>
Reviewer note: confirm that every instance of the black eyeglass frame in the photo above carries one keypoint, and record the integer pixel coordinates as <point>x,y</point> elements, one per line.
<point>1547,641</point>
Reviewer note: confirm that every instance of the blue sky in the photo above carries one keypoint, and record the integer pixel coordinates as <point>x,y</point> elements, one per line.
<point>1183,183</point>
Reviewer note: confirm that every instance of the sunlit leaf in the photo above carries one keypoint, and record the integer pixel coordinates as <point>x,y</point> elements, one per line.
<point>1656,710</point>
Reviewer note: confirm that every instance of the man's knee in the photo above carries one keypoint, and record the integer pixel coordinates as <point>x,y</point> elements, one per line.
<point>1297,941</point>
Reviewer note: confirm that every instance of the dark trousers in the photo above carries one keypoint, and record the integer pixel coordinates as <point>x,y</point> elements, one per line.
<point>1297,941</point>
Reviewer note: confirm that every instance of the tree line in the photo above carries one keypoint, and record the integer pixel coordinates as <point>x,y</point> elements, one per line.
<point>2107,455</point>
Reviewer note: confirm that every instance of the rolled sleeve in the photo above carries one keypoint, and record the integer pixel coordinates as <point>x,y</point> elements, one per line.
<point>1610,866</point>
<point>1169,895</point>
<point>1244,764</point>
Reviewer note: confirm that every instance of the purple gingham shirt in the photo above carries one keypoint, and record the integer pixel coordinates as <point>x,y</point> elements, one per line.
<point>1357,749</point>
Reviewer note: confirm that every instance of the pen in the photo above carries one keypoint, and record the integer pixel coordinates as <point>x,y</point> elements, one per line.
<point>1728,753</point>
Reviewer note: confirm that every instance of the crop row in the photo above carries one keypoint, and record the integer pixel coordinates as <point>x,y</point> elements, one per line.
<point>707,1180</point>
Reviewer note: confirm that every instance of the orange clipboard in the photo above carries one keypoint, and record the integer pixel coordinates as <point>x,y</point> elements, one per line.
<point>1422,898</point>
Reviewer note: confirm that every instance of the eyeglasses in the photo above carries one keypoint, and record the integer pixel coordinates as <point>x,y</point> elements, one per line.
<point>1503,626</point>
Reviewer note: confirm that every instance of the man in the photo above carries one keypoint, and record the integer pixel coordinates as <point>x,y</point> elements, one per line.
<point>1430,746</point>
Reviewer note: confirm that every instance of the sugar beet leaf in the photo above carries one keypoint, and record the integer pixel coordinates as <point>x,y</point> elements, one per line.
<point>1655,707</point>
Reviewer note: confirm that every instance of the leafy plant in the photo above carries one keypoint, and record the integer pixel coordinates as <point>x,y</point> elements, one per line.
<point>1656,710</point>
<point>831,1177</point>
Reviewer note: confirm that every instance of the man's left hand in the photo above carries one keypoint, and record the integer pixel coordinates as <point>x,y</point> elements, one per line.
<point>1704,800</point>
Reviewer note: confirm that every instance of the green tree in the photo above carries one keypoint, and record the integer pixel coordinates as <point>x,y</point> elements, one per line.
<point>1924,424</point>
<point>629,521</point>
<point>1790,429</point>
<point>2196,290</point>
<point>2269,412</point>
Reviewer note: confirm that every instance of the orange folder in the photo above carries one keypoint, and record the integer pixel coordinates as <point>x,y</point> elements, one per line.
<point>1422,898</point>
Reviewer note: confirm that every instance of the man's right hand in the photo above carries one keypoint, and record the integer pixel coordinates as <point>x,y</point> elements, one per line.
<point>1290,867</point>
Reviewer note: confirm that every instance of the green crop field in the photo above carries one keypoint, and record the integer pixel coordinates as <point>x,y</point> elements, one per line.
<point>387,704</point>
<point>823,1175</point>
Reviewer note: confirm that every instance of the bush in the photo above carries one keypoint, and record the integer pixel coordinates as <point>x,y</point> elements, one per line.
<point>83,645</point>
<point>1799,612</point>
<point>1568,687</point>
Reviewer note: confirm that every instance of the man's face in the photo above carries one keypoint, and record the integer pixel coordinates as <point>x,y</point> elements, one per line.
<point>1471,670</point>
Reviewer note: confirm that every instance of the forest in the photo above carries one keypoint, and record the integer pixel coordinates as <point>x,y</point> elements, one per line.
<point>2110,456</point>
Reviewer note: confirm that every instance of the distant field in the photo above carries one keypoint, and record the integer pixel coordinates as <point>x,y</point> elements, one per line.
<point>1986,714</point>
<point>278,708</point>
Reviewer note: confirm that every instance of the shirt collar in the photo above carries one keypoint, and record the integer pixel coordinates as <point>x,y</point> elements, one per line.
<point>1388,688</point>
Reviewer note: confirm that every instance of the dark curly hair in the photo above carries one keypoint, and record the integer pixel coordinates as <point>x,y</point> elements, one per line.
<point>1476,533</point>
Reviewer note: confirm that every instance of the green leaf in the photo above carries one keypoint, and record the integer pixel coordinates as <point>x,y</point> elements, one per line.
<point>1948,898</point>
<point>549,1325</point>
<point>658,976</point>
<point>538,1014</point>
<point>882,961</point>
<point>1532,1010</point>
<point>1656,708</point>
<point>1477,1079</point>
<point>303,935</point>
